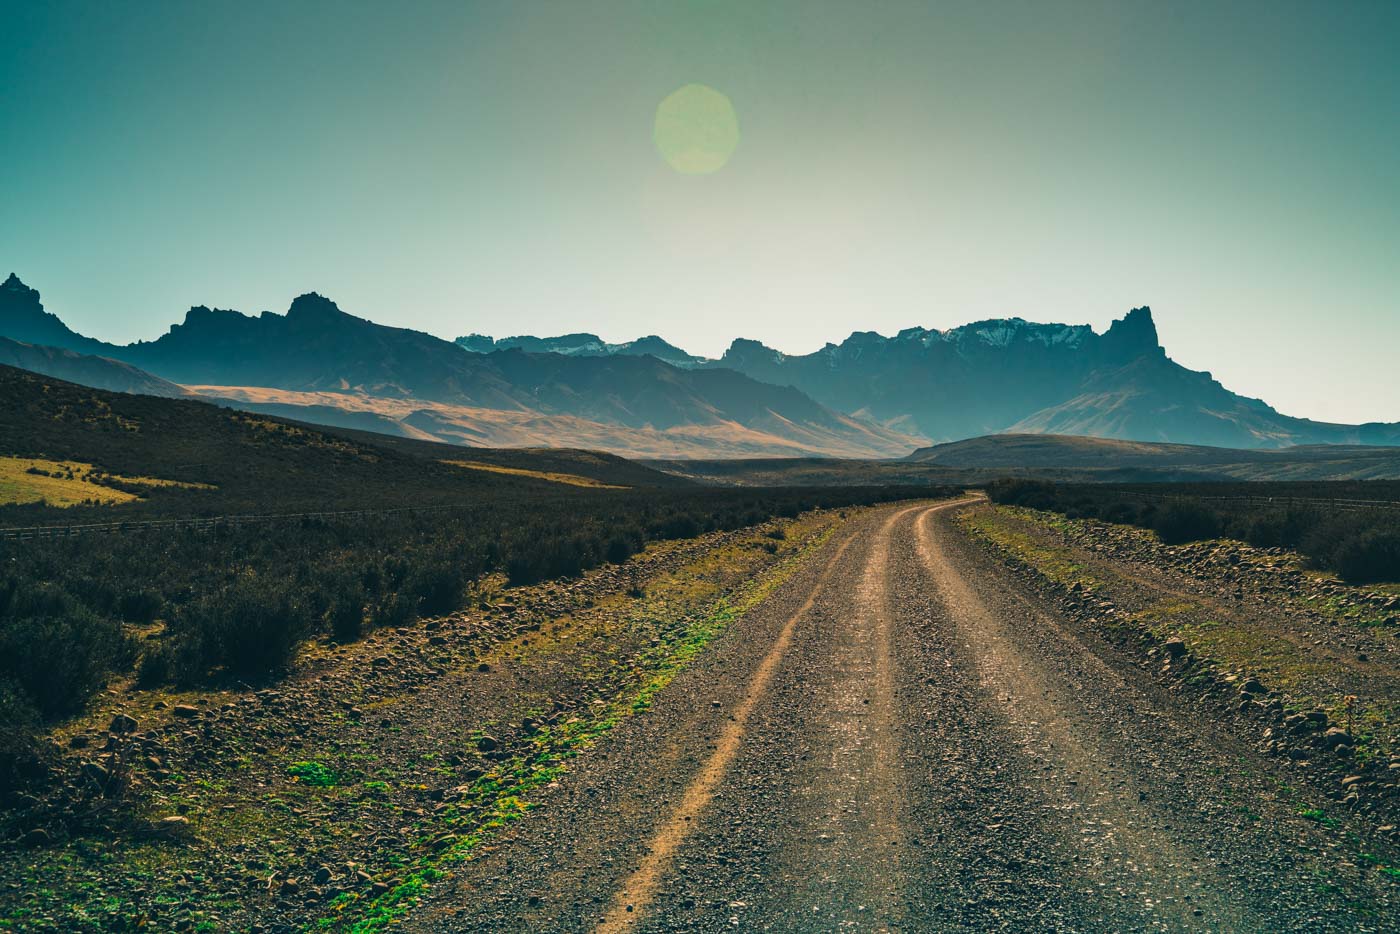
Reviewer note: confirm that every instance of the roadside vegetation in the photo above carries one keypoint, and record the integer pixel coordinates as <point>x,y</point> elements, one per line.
<point>330,800</point>
<point>231,605</point>
<point>1319,520</point>
<point>1307,665</point>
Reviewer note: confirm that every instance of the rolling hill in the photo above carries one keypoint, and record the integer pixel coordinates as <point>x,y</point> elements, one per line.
<point>475,427</point>
<point>203,459</point>
<point>86,369</point>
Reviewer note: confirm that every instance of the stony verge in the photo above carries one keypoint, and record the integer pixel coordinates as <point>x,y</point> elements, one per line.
<point>334,797</point>
<point>1302,665</point>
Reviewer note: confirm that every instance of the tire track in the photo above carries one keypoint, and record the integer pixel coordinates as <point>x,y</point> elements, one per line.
<point>1118,838</point>
<point>637,892</point>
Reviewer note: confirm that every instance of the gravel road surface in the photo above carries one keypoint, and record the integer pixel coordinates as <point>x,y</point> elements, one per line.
<point>904,738</point>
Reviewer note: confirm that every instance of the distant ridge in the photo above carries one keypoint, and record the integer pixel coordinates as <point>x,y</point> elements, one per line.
<point>1009,375</point>
<point>1141,459</point>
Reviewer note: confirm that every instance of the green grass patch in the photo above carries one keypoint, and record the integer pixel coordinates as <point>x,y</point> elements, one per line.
<point>1020,534</point>
<point>315,774</point>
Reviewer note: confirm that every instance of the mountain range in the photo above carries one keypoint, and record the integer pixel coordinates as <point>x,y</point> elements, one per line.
<point>1013,375</point>
<point>319,364</point>
<point>869,396</point>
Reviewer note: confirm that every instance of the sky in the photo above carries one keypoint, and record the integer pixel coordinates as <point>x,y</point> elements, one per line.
<point>501,168</point>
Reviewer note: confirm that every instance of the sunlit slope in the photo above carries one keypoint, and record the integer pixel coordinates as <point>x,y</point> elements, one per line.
<point>187,456</point>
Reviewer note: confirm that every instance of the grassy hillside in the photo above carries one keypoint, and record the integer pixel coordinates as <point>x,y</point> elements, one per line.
<point>518,425</point>
<point>218,461</point>
<point>597,465</point>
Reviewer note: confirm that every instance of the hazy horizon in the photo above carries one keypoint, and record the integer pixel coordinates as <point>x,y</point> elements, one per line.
<point>502,169</point>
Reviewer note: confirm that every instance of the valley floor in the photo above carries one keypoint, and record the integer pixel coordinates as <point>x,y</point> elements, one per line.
<point>927,716</point>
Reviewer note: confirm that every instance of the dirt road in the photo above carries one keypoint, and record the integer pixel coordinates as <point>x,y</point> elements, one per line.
<point>903,738</point>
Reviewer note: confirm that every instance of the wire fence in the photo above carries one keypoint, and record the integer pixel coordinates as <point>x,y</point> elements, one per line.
<point>209,523</point>
<point>1275,502</point>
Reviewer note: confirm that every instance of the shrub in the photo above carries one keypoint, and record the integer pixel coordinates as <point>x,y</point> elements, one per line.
<point>19,753</point>
<point>139,606</point>
<point>619,549</point>
<point>394,610</point>
<point>1369,558</point>
<point>1177,523</point>
<point>249,629</point>
<point>347,615</point>
<point>438,587</point>
<point>58,652</point>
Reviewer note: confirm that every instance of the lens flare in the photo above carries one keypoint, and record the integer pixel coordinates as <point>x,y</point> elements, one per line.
<point>696,130</point>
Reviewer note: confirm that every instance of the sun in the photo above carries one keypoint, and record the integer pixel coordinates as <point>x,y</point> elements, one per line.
<point>696,130</point>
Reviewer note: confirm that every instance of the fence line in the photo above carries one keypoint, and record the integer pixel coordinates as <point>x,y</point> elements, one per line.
<point>1260,500</point>
<point>207,523</point>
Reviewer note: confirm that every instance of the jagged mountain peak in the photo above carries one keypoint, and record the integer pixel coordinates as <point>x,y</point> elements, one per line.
<point>17,289</point>
<point>1134,334</point>
<point>744,348</point>
<point>653,342</point>
<point>201,317</point>
<point>1006,332</point>
<point>313,305</point>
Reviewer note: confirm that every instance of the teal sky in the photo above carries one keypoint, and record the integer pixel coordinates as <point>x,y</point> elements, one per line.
<point>490,167</point>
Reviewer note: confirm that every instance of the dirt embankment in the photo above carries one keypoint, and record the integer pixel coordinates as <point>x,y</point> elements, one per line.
<point>1302,666</point>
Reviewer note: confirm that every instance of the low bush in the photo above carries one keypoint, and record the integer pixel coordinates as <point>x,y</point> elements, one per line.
<point>1187,521</point>
<point>1362,545</point>
<point>1370,557</point>
<point>19,755</point>
<point>53,649</point>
